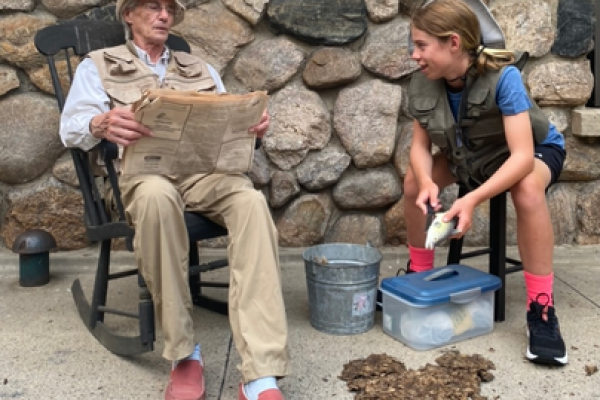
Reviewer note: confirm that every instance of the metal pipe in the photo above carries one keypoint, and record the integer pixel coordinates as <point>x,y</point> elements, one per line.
<point>596,54</point>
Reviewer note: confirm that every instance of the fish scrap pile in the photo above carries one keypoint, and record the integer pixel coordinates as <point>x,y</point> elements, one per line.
<point>382,377</point>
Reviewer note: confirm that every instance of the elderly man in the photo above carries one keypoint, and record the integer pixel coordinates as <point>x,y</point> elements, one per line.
<point>105,84</point>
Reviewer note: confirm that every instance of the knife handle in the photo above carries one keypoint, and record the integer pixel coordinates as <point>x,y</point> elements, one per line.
<point>430,209</point>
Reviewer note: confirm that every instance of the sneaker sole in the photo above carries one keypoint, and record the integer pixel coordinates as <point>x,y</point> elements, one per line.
<point>557,361</point>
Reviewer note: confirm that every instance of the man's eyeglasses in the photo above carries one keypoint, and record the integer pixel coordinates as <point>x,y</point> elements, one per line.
<point>156,8</point>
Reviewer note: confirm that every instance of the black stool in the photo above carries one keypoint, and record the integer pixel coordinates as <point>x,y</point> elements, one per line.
<point>496,250</point>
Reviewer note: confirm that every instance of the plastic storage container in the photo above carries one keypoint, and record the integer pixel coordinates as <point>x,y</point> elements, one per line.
<point>438,307</point>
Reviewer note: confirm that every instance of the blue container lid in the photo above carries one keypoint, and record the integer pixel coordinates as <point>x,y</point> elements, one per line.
<point>453,283</point>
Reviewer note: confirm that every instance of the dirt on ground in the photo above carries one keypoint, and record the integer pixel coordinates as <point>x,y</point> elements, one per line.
<point>382,377</point>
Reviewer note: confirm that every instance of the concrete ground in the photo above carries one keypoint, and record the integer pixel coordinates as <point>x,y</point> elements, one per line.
<point>47,353</point>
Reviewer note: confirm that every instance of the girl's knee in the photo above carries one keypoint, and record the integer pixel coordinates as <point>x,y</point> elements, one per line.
<point>528,195</point>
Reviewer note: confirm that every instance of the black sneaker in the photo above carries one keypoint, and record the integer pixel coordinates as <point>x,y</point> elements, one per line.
<point>379,301</point>
<point>546,345</point>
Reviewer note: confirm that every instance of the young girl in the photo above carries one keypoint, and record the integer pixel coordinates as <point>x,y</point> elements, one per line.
<point>471,102</point>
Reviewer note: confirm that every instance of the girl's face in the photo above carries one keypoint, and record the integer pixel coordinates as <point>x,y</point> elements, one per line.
<point>436,58</point>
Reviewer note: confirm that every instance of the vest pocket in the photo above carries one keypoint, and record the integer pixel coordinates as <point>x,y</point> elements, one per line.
<point>489,167</point>
<point>118,66</point>
<point>488,131</point>
<point>476,102</point>
<point>127,91</point>
<point>124,97</point>
<point>188,65</point>
<point>195,85</point>
<point>422,108</point>
<point>438,138</point>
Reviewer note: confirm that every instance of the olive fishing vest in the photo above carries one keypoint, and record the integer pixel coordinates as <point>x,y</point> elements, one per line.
<point>475,144</point>
<point>125,77</point>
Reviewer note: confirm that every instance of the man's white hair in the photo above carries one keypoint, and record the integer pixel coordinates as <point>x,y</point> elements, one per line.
<point>124,6</point>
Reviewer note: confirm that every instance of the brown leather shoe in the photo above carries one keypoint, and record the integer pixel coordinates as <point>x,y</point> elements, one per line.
<point>186,382</point>
<point>271,394</point>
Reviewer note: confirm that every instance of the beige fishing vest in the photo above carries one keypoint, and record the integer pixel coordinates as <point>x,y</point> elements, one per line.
<point>478,147</point>
<point>125,77</point>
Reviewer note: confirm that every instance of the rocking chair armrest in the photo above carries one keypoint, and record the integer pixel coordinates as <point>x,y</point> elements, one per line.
<point>109,151</point>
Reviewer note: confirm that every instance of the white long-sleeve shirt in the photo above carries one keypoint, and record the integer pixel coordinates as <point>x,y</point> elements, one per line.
<point>87,98</point>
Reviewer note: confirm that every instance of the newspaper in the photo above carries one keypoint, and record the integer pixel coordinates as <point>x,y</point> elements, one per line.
<point>194,133</point>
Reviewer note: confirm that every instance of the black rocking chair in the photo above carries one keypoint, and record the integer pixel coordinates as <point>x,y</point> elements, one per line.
<point>60,44</point>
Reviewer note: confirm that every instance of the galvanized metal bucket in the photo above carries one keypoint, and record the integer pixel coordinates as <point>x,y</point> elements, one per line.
<point>342,284</point>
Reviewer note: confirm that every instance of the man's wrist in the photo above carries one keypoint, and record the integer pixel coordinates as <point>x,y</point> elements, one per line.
<point>98,126</point>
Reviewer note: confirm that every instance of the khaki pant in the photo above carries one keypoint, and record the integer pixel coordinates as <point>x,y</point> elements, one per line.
<point>154,206</point>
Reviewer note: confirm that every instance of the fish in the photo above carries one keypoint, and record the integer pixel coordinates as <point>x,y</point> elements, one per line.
<point>439,230</point>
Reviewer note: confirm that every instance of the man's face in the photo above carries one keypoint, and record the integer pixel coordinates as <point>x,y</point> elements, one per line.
<point>151,21</point>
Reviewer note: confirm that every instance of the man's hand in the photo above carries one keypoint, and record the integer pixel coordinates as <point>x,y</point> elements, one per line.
<point>118,126</point>
<point>261,128</point>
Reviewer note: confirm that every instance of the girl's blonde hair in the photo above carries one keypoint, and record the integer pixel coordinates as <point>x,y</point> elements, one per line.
<point>442,18</point>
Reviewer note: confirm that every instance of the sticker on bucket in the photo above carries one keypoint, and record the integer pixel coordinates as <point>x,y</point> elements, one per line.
<point>363,303</point>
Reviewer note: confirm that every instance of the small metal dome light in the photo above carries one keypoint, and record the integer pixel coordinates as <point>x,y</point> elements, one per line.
<point>34,247</point>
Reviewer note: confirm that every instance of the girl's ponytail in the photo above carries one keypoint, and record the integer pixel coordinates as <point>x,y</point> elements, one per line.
<point>492,59</point>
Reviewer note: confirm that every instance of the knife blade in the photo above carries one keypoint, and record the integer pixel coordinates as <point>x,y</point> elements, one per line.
<point>430,216</point>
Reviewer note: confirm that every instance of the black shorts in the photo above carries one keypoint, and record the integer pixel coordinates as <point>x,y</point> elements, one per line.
<point>554,157</point>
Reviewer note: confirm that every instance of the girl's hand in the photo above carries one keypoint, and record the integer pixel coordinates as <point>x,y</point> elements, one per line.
<point>462,209</point>
<point>429,194</point>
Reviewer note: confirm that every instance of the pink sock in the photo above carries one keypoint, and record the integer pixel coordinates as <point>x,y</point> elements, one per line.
<point>539,285</point>
<point>420,259</point>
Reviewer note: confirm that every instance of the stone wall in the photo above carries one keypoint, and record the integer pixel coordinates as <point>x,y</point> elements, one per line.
<point>333,160</point>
